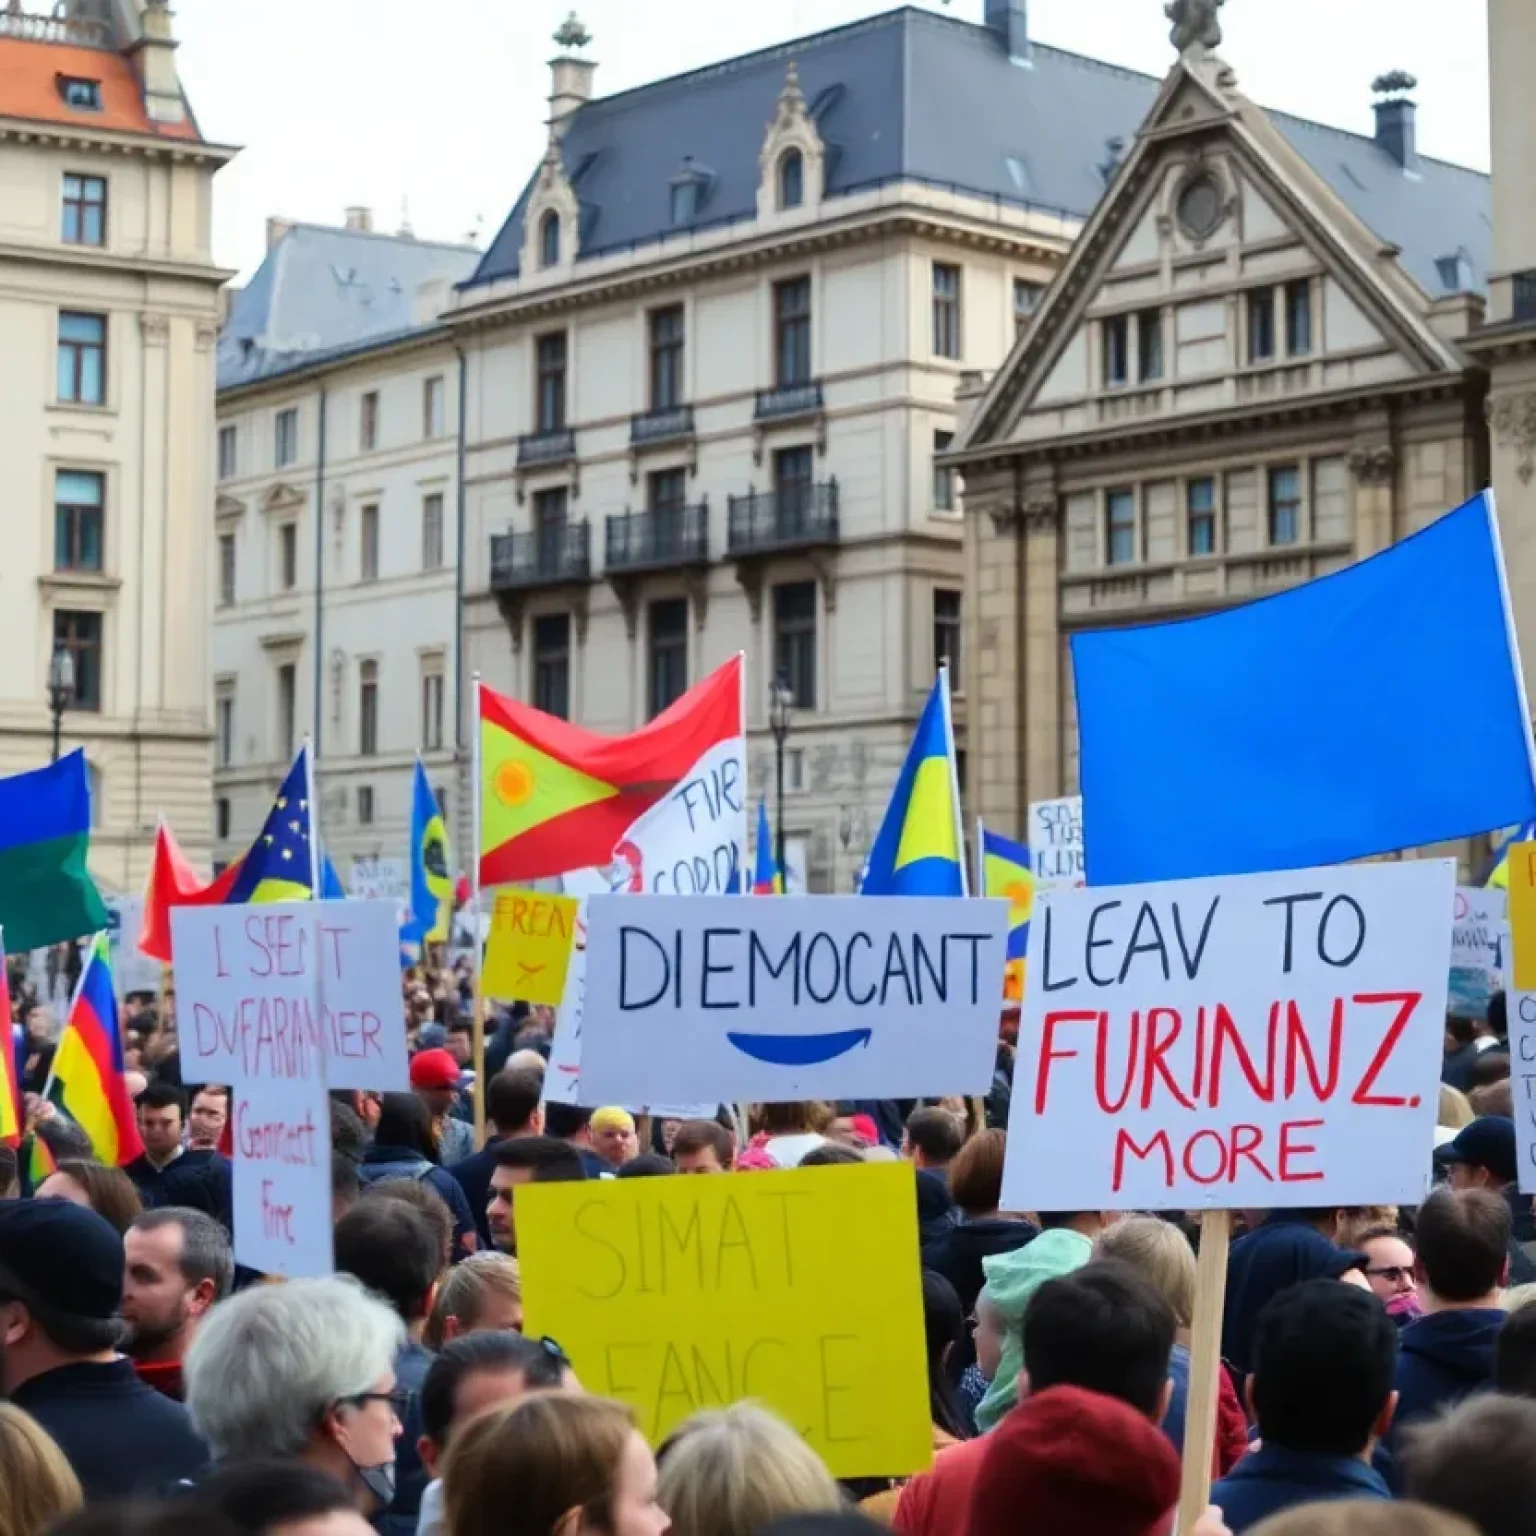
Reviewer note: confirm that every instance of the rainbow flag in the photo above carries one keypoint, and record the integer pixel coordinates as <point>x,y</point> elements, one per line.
<point>767,877</point>
<point>40,1162</point>
<point>86,1079</point>
<point>1007,871</point>
<point>10,1090</point>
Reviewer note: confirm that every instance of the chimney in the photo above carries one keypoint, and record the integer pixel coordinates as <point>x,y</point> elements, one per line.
<point>1396,126</point>
<point>360,220</point>
<point>570,77</point>
<point>276,229</point>
<point>153,53</point>
<point>1009,22</point>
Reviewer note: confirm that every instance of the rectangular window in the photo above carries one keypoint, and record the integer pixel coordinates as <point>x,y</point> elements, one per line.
<point>550,398</point>
<point>943,475</point>
<point>85,210</point>
<point>226,570</point>
<point>1026,300</point>
<point>668,652</point>
<point>365,810</point>
<point>794,640</point>
<point>288,556</point>
<point>82,94</point>
<point>368,544</point>
<point>667,490</point>
<point>82,358</point>
<point>1116,351</point>
<point>221,820</point>
<point>1298,318</point>
<point>285,445</point>
<point>368,709</point>
<point>794,490</point>
<point>1149,345</point>
<point>79,499</point>
<point>549,525</point>
<point>80,635</point>
<point>552,664</point>
<point>792,332</point>
<point>432,531</point>
<point>287,708</point>
<point>946,633</point>
<point>433,416</point>
<point>1285,505</point>
<point>224,726</point>
<point>1200,515</point>
<point>666,357</point>
<point>946,310</point>
<point>432,704</point>
<point>1261,325</point>
<point>1120,528</point>
<point>228,453</point>
<point>368,421</point>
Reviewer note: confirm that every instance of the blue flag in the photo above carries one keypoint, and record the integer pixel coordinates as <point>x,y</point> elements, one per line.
<point>279,865</point>
<point>431,882</point>
<point>331,888</point>
<point>1376,709</point>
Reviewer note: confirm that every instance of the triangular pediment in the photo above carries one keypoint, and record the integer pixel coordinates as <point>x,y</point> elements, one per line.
<point>227,508</point>
<point>283,497</point>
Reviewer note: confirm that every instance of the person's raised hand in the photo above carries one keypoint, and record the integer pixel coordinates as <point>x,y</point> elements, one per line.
<point>1210,1524</point>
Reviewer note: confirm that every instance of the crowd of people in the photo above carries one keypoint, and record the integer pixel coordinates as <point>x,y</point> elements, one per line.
<point>1379,1364</point>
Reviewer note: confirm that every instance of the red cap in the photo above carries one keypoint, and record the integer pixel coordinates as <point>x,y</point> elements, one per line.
<point>434,1069</point>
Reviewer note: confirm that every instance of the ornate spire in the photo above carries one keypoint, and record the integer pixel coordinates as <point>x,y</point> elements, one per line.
<point>572,34</point>
<point>1196,27</point>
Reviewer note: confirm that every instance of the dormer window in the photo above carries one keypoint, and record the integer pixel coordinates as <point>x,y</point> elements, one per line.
<point>791,179</point>
<point>549,240</point>
<point>79,93</point>
<point>685,202</point>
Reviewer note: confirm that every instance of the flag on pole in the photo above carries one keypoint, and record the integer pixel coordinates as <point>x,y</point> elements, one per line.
<point>767,877</point>
<point>918,849</point>
<point>431,882</point>
<point>1007,871</point>
<point>174,883</point>
<point>85,1081</point>
<point>11,1120</point>
<point>1498,876</point>
<point>40,1162</point>
<point>331,888</point>
<point>281,865</point>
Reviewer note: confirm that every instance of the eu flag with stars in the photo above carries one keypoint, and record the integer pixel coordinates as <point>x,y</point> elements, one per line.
<point>917,849</point>
<point>280,864</point>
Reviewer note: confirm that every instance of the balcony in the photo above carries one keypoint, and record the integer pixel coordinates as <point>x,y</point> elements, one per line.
<point>537,450</point>
<point>559,555</point>
<point>647,428</point>
<point>658,540</point>
<point>790,518</point>
<point>788,401</point>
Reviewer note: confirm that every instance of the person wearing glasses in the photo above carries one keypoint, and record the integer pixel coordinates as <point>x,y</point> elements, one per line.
<point>1389,1272</point>
<point>304,1370</point>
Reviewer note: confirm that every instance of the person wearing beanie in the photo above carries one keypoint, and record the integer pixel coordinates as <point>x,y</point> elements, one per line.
<point>614,1138</point>
<point>61,1287</point>
<point>436,1079</point>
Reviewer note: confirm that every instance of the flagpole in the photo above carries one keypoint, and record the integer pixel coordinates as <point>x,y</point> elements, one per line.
<point>314,820</point>
<point>981,858</point>
<point>954,779</point>
<point>1490,510</point>
<point>474,919</point>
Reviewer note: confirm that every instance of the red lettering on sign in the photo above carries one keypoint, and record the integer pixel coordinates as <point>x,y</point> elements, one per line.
<point>1406,1002</point>
<point>1290,1149</point>
<point>1048,1051</point>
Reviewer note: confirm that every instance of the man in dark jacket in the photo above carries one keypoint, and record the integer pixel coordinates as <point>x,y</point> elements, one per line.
<point>1483,1155</point>
<point>512,1104</point>
<point>61,1285</point>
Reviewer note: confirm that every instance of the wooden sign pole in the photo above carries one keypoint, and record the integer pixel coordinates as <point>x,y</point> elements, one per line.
<point>1204,1365</point>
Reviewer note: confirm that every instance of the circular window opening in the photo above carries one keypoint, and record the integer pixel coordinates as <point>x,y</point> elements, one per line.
<point>1200,207</point>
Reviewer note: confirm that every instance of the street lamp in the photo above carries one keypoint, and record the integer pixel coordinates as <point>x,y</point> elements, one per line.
<point>61,690</point>
<point>780,700</point>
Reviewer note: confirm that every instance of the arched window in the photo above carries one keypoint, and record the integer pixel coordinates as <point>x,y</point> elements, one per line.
<point>549,240</point>
<point>791,179</point>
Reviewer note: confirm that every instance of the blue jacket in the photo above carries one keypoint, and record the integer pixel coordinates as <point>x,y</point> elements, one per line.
<point>473,1176</point>
<point>1441,1359</point>
<point>380,1163</point>
<point>1272,1478</point>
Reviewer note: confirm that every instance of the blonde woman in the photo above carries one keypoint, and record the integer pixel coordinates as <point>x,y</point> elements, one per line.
<point>37,1487</point>
<point>730,1471</point>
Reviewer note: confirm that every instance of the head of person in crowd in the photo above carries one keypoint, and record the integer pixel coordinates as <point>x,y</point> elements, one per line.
<point>1356,1517</point>
<point>422,1197</point>
<point>365,1104</point>
<point>568,1122</point>
<point>1455,1108</point>
<point>1160,1253</point>
<point>63,1138</point>
<point>1460,1035</point>
<point>703,1146</point>
<point>1462,1258</point>
<point>613,1135</point>
<point>345,1185</point>
<point>1389,1268</point>
<point>1356,1220</point>
<point>10,1174</point>
<point>349,1136</point>
<point>145,1517</point>
<point>460,1043</point>
<point>207,1117</point>
<point>405,1126</point>
<point>267,1497</point>
<point>1514,1361</point>
<point>37,1485</point>
<point>648,1165</point>
<point>976,1175</point>
<point>397,1252</point>
<point>304,1370</point>
<point>162,1122</point>
<point>552,1465</point>
<point>729,1471</point>
<point>107,1191</point>
<point>1482,1155</point>
<point>943,1332</point>
<point>526,1160</point>
<point>178,1265</point>
<point>484,1293</point>
<point>527,1059</point>
<point>932,1138</point>
<point>1478,1461</point>
<point>435,1080</point>
<point>512,1102</point>
<point>832,1154</point>
<point>1490,1068</point>
<point>1495,1098</point>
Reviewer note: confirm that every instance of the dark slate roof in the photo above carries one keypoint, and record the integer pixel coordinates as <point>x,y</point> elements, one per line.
<point>922,96</point>
<point>324,292</point>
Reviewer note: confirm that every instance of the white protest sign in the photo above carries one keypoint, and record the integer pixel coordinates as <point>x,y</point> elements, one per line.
<point>707,998</point>
<point>1479,919</point>
<point>1255,1040</point>
<point>132,971</point>
<point>1521,1008</point>
<point>1056,842</point>
<point>378,879</point>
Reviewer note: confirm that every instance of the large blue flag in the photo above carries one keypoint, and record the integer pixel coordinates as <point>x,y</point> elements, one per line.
<point>1376,709</point>
<point>431,882</point>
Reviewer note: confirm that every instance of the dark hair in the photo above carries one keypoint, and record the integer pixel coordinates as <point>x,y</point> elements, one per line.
<point>511,1098</point>
<point>1479,1461</point>
<point>349,1136</point>
<point>70,1334</point>
<point>162,1095</point>
<point>205,1249</point>
<point>976,1174</point>
<point>1102,1328</point>
<point>10,1164</point>
<point>696,1135</point>
<point>394,1250</point>
<point>1462,1031</point>
<point>1051,1220</point>
<point>257,1496</point>
<point>1324,1356</point>
<point>345,1184</point>
<point>195,1093</point>
<point>65,1139</point>
<point>420,1196</point>
<point>541,1364</point>
<point>937,1133</point>
<point>1462,1242</point>
<point>649,1165</point>
<point>136,1517</point>
<point>831,1153</point>
<point>1514,1357</point>
<point>108,1191</point>
<point>405,1121</point>
<point>1498,1015</point>
<point>1491,1066</point>
<point>943,1330</point>
<point>565,1120</point>
<point>551,1160</point>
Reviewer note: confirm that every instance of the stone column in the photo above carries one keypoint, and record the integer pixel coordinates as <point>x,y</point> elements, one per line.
<point>1041,661</point>
<point>1374,466</point>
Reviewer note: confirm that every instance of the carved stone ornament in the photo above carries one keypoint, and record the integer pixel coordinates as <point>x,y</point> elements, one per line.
<point>791,129</point>
<point>1512,419</point>
<point>1196,27</point>
<point>1374,465</point>
<point>1040,514</point>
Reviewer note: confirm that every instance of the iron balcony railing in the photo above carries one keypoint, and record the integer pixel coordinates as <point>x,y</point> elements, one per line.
<point>543,558</point>
<point>553,447</point>
<point>790,517</point>
<point>788,400</point>
<point>665,426</point>
<point>654,540</point>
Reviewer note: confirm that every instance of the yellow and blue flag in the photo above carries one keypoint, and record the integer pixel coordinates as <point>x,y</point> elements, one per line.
<point>1498,876</point>
<point>1007,871</point>
<point>917,851</point>
<point>280,865</point>
<point>767,878</point>
<point>431,882</point>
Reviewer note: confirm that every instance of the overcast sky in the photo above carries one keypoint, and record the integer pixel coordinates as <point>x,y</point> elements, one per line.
<point>440,106</point>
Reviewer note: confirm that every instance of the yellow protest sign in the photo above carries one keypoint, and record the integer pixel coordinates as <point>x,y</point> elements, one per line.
<point>801,1290</point>
<point>529,947</point>
<point>1522,913</point>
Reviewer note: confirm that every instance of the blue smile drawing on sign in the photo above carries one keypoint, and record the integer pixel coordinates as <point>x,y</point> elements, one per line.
<point>800,1050</point>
